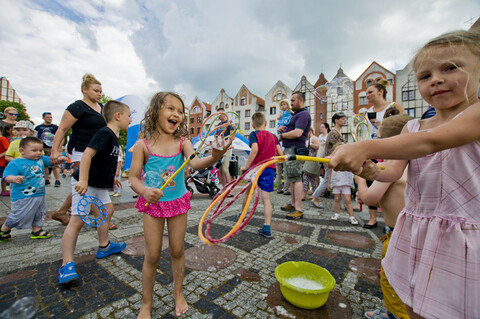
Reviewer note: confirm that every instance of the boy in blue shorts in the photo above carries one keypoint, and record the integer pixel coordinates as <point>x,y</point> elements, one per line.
<point>95,176</point>
<point>264,146</point>
<point>27,177</point>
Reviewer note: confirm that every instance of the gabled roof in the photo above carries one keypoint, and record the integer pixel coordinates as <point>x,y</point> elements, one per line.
<point>371,64</point>
<point>321,80</point>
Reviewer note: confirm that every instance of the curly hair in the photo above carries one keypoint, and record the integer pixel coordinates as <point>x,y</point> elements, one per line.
<point>149,124</point>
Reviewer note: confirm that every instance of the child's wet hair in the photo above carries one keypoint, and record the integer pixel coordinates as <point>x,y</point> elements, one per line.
<point>112,107</point>
<point>24,142</point>
<point>469,39</point>
<point>149,124</point>
<point>393,125</point>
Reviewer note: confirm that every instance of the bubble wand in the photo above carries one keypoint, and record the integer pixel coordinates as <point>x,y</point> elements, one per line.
<point>220,198</point>
<point>209,131</point>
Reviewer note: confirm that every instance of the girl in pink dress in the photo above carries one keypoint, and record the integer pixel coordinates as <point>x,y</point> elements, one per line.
<point>433,261</point>
<point>159,153</point>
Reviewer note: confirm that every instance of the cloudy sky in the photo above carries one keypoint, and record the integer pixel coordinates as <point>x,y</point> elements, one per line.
<point>198,47</point>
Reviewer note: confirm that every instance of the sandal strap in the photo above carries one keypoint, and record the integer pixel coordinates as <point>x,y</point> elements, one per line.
<point>38,232</point>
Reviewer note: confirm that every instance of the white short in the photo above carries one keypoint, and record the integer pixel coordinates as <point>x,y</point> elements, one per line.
<point>100,193</point>
<point>345,190</point>
<point>75,156</point>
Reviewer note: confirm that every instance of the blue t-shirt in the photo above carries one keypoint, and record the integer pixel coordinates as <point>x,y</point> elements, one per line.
<point>33,184</point>
<point>301,120</point>
<point>285,119</point>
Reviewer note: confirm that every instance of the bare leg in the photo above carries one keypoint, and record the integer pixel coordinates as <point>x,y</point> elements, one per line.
<point>153,231</point>
<point>177,227</point>
<point>267,207</point>
<point>61,213</point>
<point>373,216</point>
<point>69,239</point>
<point>347,198</point>
<point>297,194</point>
<point>337,198</point>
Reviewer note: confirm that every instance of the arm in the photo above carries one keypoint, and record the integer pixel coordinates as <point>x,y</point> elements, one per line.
<point>371,195</point>
<point>140,154</point>
<point>279,150</point>
<point>293,134</point>
<point>14,179</point>
<point>460,131</point>
<point>314,143</point>
<point>82,185</point>
<point>65,124</point>
<point>251,157</point>
<point>201,163</point>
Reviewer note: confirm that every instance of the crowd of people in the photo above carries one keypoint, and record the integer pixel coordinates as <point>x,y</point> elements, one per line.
<point>427,187</point>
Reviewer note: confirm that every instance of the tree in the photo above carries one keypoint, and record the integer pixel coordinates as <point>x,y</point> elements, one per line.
<point>22,111</point>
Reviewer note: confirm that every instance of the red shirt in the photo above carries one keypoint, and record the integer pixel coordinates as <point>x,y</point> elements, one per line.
<point>4,143</point>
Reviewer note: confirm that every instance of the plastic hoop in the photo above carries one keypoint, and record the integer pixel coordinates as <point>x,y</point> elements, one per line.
<point>82,213</point>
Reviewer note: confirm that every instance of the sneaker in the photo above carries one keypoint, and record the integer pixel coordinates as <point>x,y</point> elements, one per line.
<point>264,233</point>
<point>295,215</point>
<point>47,182</point>
<point>353,220</point>
<point>114,248</point>
<point>68,273</point>
<point>57,183</point>
<point>335,217</point>
<point>288,208</point>
<point>64,175</point>
<point>116,194</point>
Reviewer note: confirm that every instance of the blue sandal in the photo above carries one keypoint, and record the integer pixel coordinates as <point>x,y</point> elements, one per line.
<point>379,314</point>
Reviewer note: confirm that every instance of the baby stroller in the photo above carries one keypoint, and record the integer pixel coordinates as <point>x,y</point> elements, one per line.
<point>205,180</point>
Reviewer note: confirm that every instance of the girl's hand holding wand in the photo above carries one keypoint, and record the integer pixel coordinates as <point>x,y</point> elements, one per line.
<point>152,195</point>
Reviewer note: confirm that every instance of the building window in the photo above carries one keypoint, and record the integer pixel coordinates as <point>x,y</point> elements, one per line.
<point>272,124</point>
<point>198,130</point>
<point>247,113</point>
<point>410,112</point>
<point>221,105</point>
<point>247,125</point>
<point>321,116</point>
<point>340,90</point>
<point>199,119</point>
<point>369,82</point>
<point>242,101</point>
<point>408,95</point>
<point>192,120</point>
<point>363,100</point>
<point>273,110</point>
<point>192,131</point>
<point>196,109</point>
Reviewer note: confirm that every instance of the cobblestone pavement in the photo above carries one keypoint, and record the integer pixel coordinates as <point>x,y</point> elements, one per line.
<point>231,280</point>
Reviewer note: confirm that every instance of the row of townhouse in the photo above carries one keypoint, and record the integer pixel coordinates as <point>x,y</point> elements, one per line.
<point>343,95</point>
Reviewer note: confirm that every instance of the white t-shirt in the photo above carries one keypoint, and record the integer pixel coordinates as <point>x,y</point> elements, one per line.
<point>379,117</point>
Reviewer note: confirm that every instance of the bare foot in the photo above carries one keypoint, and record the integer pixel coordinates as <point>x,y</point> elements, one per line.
<point>145,313</point>
<point>61,217</point>
<point>181,305</point>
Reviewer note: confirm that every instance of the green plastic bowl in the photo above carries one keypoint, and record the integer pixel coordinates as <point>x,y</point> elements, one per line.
<point>304,284</point>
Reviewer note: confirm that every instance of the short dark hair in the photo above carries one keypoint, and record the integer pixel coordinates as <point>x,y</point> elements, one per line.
<point>46,113</point>
<point>337,116</point>
<point>112,107</point>
<point>301,95</point>
<point>29,140</point>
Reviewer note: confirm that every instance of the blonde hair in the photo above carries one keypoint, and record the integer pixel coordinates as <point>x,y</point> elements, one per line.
<point>10,109</point>
<point>393,125</point>
<point>469,39</point>
<point>149,124</point>
<point>381,85</point>
<point>87,80</point>
<point>286,101</point>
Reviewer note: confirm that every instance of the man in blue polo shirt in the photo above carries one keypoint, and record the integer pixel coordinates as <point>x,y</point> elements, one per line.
<point>294,137</point>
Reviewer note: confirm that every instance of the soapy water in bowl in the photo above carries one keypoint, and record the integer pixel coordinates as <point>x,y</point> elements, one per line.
<point>302,282</point>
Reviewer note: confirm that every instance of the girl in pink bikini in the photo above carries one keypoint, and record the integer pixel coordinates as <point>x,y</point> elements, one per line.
<point>160,152</point>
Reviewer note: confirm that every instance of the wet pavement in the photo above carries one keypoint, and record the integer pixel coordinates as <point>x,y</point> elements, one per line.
<point>231,280</point>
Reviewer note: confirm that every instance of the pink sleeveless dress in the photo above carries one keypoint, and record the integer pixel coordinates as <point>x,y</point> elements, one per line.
<point>433,260</point>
